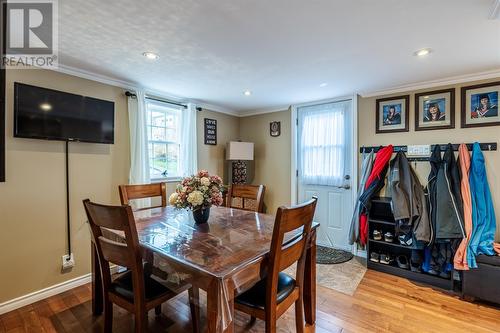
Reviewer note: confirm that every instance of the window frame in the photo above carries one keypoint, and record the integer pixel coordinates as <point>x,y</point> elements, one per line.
<point>170,108</point>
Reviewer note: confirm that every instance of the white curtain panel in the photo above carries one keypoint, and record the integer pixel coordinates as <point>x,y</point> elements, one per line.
<point>139,156</point>
<point>322,143</point>
<point>189,151</point>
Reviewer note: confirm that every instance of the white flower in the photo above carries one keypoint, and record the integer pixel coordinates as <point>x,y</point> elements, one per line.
<point>173,198</point>
<point>205,181</point>
<point>195,198</point>
<point>184,189</point>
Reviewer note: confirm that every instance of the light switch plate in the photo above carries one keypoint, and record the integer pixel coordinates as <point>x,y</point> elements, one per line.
<point>419,150</point>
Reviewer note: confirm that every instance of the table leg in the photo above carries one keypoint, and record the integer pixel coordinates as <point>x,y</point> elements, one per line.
<point>97,295</point>
<point>212,309</point>
<point>230,287</point>
<point>310,283</point>
<point>214,324</point>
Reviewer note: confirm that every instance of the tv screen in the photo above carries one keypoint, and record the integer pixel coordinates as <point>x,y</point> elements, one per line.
<point>42,113</point>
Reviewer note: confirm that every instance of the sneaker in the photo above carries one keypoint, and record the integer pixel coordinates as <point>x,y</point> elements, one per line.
<point>388,237</point>
<point>385,259</point>
<point>405,240</point>
<point>402,262</point>
<point>374,256</point>
<point>377,235</point>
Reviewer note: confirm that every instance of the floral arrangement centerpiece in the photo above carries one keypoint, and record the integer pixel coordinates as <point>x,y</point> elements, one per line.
<point>198,193</point>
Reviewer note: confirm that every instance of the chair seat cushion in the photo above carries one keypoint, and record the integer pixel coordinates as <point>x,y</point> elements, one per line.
<point>255,297</point>
<point>122,286</point>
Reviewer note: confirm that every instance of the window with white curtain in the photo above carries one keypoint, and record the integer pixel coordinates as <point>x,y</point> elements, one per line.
<point>322,143</point>
<point>163,122</point>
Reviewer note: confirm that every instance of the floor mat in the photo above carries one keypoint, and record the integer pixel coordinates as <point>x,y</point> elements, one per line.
<point>327,255</point>
<point>344,277</point>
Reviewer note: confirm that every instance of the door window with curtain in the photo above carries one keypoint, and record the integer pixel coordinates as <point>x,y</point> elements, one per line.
<point>322,143</point>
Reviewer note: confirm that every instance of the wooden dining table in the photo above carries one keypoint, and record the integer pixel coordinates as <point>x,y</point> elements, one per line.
<point>224,257</point>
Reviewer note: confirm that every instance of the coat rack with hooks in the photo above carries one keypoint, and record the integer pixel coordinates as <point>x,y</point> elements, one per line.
<point>485,146</point>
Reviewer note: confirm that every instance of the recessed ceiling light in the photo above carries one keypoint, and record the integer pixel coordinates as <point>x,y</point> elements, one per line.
<point>151,55</point>
<point>247,93</point>
<point>322,85</point>
<point>45,106</point>
<point>422,52</point>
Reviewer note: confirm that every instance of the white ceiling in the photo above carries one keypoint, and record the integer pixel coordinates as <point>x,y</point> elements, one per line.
<point>282,50</point>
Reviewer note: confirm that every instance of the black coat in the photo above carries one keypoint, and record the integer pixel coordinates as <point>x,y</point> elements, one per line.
<point>445,199</point>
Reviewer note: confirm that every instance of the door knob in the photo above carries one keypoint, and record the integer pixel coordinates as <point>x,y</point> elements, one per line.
<point>347,177</point>
<point>346,187</point>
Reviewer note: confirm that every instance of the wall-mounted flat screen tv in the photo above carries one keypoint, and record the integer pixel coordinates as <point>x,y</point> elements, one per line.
<point>41,113</point>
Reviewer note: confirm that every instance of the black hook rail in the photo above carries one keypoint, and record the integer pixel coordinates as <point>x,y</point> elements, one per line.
<point>485,146</point>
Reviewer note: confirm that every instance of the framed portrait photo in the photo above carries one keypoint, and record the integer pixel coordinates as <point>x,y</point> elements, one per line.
<point>392,114</point>
<point>480,105</point>
<point>275,128</point>
<point>435,110</point>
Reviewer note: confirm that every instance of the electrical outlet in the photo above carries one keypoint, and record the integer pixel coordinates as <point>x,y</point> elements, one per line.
<point>68,261</point>
<point>419,150</point>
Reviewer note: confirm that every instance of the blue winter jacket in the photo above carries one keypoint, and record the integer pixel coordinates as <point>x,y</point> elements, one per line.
<point>483,214</point>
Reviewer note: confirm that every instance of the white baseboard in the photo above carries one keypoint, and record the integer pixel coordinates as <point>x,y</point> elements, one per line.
<point>38,295</point>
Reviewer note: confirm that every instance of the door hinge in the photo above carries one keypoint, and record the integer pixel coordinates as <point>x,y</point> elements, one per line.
<point>296,121</point>
<point>296,173</point>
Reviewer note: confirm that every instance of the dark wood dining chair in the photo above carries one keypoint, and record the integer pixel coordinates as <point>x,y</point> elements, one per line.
<point>135,290</point>
<point>132,192</point>
<point>246,197</point>
<point>273,295</point>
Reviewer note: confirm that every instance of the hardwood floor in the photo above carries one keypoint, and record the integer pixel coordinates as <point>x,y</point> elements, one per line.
<point>382,303</point>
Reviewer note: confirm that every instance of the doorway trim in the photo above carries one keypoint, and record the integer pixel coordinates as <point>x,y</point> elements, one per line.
<point>354,156</point>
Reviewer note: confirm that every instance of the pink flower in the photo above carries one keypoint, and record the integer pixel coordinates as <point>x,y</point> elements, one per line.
<point>203,173</point>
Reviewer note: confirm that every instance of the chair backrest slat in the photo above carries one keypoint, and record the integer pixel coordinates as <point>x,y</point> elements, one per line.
<point>292,252</point>
<point>115,252</point>
<point>250,196</point>
<point>133,192</point>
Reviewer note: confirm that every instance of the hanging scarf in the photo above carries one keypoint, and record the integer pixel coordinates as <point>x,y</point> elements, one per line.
<point>460,260</point>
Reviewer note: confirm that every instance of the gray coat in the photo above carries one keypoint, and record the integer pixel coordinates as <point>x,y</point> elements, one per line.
<point>366,169</point>
<point>409,204</point>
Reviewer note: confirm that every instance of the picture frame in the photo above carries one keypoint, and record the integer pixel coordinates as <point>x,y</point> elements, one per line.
<point>392,114</point>
<point>275,128</point>
<point>480,105</point>
<point>435,110</point>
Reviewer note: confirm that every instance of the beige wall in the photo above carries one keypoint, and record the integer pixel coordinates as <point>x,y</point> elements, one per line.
<point>367,137</point>
<point>272,156</point>
<point>212,158</point>
<point>32,200</point>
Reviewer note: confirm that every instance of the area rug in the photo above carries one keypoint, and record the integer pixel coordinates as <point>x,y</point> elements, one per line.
<point>326,255</point>
<point>343,278</point>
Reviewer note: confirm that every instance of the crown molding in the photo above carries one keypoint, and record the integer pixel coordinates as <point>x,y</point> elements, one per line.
<point>73,71</point>
<point>263,111</point>
<point>434,83</point>
<point>92,76</point>
<point>216,108</point>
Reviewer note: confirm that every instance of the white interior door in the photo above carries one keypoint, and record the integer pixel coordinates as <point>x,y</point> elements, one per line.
<point>324,149</point>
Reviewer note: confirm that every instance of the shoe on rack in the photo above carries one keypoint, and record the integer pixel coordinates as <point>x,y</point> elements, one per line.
<point>377,235</point>
<point>389,237</point>
<point>405,240</point>
<point>385,259</point>
<point>402,262</point>
<point>374,256</point>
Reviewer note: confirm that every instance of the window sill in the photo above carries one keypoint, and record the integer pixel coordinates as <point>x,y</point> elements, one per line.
<point>166,180</point>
